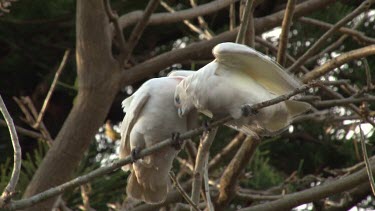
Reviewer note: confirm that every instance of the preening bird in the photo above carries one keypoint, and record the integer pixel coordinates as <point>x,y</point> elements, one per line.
<point>240,75</point>
<point>151,117</point>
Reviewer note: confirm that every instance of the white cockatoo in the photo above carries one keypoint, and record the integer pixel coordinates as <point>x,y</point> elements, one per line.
<point>151,117</point>
<point>239,75</point>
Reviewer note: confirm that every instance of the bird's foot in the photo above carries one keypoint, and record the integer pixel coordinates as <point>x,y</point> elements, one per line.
<point>176,141</point>
<point>134,154</point>
<point>248,111</point>
<point>206,125</point>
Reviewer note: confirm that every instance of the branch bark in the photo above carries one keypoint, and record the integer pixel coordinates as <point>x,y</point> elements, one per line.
<point>289,201</point>
<point>95,67</point>
<point>338,61</point>
<point>9,190</point>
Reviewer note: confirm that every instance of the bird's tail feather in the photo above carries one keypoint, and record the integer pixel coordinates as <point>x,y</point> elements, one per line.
<point>149,185</point>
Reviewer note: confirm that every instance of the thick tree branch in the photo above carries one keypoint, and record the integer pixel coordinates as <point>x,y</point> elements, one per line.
<point>338,61</point>
<point>229,179</point>
<point>10,189</point>
<point>289,201</point>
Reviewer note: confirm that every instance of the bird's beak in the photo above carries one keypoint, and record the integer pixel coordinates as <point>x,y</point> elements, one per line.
<point>180,112</point>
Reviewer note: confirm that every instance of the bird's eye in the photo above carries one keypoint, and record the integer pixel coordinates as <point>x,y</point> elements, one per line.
<point>177,99</point>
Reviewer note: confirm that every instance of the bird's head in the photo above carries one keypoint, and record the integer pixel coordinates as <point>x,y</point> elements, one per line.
<point>181,100</point>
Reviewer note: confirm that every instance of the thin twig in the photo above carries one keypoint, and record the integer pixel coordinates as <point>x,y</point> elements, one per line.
<point>52,88</point>
<point>113,17</point>
<point>182,192</point>
<point>368,74</point>
<point>287,22</point>
<point>232,16</point>
<point>10,189</point>
<point>337,43</point>
<point>139,28</point>
<point>272,48</point>
<point>186,22</point>
<point>202,22</point>
<point>321,41</point>
<point>24,131</point>
<point>351,106</point>
<point>367,162</point>
<point>203,151</point>
<point>244,22</point>
<point>357,35</point>
<point>206,179</point>
<point>345,101</point>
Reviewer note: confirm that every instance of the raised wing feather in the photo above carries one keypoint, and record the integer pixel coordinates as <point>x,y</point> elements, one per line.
<point>133,106</point>
<point>258,66</point>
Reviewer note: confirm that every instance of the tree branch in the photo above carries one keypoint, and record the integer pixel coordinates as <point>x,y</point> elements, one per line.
<point>283,40</point>
<point>10,189</point>
<point>289,201</point>
<point>163,18</point>
<point>244,22</point>
<point>52,88</point>
<point>319,43</point>
<point>354,33</point>
<point>338,61</point>
<point>139,28</point>
<point>203,49</point>
<point>202,155</point>
<point>231,174</point>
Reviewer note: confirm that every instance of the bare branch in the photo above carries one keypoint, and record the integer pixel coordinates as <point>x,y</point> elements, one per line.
<point>182,192</point>
<point>203,48</point>
<point>338,61</point>
<point>206,179</point>
<point>232,16</point>
<point>368,74</point>
<point>202,22</point>
<point>233,145</point>
<point>52,88</point>
<point>24,131</point>
<point>319,43</point>
<point>203,152</point>
<point>367,162</point>
<point>139,28</point>
<point>186,22</point>
<point>283,41</point>
<point>10,189</point>
<point>244,22</point>
<point>158,18</point>
<point>340,102</point>
<point>289,201</point>
<point>354,33</point>
<point>230,176</point>
<point>113,17</point>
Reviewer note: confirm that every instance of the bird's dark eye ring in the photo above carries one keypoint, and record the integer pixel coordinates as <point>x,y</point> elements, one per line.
<point>177,99</point>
